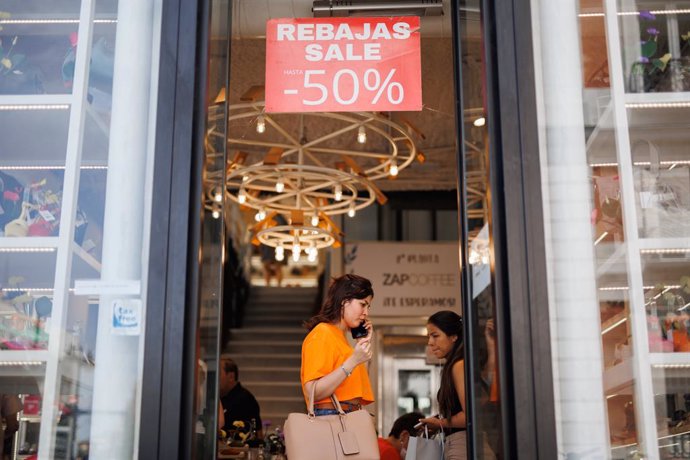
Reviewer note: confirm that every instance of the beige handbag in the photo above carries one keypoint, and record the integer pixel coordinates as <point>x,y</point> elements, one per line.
<point>330,437</point>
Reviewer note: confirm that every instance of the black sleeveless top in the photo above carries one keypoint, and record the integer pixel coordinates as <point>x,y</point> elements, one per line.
<point>455,408</point>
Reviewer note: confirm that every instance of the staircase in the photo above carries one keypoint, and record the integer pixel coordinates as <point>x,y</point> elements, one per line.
<point>267,349</point>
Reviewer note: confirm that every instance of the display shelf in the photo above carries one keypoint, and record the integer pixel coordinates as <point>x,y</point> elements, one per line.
<point>670,360</point>
<point>661,244</point>
<point>27,243</point>
<point>35,101</point>
<point>656,100</point>
<point>15,358</point>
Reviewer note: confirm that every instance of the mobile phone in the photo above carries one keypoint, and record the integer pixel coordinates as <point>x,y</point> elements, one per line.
<point>359,331</point>
<point>418,426</point>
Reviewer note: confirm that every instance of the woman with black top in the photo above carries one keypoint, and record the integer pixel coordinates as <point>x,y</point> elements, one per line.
<point>444,330</point>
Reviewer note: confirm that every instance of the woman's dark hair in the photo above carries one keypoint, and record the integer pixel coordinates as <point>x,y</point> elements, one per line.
<point>341,289</point>
<point>451,324</point>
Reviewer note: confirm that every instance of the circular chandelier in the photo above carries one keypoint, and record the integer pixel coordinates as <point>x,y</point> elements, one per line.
<point>276,167</point>
<point>298,238</point>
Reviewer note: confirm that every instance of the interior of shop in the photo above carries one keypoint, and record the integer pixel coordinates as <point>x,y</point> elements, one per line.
<point>408,200</point>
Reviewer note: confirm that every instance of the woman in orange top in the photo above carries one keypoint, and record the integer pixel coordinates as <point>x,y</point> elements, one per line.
<point>328,360</point>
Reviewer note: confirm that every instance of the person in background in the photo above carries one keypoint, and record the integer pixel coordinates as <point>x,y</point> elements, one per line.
<point>238,403</point>
<point>444,329</point>
<point>10,405</point>
<point>329,362</point>
<point>394,447</point>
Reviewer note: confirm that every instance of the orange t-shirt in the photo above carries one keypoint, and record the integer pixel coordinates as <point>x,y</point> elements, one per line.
<point>325,349</point>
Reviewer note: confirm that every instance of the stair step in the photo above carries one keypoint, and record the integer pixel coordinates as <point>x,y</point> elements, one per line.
<point>264,346</point>
<point>275,388</point>
<point>271,374</point>
<point>266,360</point>
<point>251,333</point>
<point>250,321</point>
<point>267,309</point>
<point>282,404</point>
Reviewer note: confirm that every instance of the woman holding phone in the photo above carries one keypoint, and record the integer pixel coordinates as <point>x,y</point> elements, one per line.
<point>329,362</point>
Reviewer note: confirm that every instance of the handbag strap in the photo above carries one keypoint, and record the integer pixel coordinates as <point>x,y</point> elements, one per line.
<point>310,402</point>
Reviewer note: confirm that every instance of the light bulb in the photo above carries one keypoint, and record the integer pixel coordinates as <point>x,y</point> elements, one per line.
<point>245,178</point>
<point>361,135</point>
<point>280,256</point>
<point>216,214</point>
<point>338,192</point>
<point>280,185</point>
<point>479,122</point>
<point>315,219</point>
<point>280,249</point>
<point>260,215</point>
<point>218,197</point>
<point>296,249</point>
<point>260,124</point>
<point>295,256</point>
<point>351,211</point>
<point>242,196</point>
<point>312,256</point>
<point>393,169</point>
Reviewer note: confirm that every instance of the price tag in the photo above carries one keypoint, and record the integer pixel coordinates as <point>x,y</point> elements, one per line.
<point>343,64</point>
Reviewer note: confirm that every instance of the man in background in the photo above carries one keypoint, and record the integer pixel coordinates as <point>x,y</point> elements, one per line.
<point>394,447</point>
<point>238,403</point>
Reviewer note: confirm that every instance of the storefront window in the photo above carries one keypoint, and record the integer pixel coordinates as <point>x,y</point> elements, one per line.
<point>614,96</point>
<point>77,98</point>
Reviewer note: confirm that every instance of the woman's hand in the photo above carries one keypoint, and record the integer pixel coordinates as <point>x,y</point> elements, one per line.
<point>362,352</point>
<point>434,423</point>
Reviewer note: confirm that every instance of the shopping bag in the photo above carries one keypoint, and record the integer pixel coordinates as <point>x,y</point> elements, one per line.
<point>424,447</point>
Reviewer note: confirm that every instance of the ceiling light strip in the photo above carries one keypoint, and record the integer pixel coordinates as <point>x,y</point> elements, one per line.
<point>52,21</point>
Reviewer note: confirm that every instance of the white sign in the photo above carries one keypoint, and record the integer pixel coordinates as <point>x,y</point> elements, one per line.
<point>126,317</point>
<point>415,279</point>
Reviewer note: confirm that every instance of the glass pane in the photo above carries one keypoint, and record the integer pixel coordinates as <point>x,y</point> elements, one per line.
<point>74,197</point>
<point>208,412</point>
<point>626,196</point>
<point>414,390</point>
<point>488,437</point>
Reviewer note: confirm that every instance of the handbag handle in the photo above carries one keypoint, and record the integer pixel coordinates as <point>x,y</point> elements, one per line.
<point>310,402</point>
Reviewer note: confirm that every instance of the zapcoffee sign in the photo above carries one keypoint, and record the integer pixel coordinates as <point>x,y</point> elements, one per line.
<point>343,64</point>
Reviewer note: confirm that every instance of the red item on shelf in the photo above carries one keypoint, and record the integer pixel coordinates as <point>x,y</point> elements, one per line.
<point>32,405</point>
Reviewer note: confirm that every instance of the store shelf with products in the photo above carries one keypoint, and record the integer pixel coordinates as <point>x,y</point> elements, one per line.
<point>54,118</point>
<point>636,147</point>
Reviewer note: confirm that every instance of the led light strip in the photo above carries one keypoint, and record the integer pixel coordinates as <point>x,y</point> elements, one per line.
<point>34,107</point>
<point>21,363</point>
<point>47,168</point>
<point>671,366</point>
<point>665,251</point>
<point>646,163</point>
<point>657,105</point>
<point>625,288</point>
<point>53,21</point>
<point>27,249</point>
<point>636,13</point>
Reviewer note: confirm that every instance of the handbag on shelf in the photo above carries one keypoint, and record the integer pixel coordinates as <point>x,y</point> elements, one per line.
<point>425,448</point>
<point>330,437</point>
<point>663,204</point>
